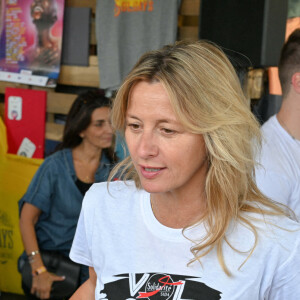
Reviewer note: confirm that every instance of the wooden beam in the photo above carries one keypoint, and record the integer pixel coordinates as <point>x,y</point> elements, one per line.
<point>50,117</point>
<point>190,8</point>
<point>54,131</point>
<point>81,76</point>
<point>82,3</point>
<point>5,84</point>
<point>93,39</point>
<point>2,111</point>
<point>188,33</point>
<point>59,103</point>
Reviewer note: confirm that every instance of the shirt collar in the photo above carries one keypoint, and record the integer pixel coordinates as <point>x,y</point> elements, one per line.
<point>68,158</point>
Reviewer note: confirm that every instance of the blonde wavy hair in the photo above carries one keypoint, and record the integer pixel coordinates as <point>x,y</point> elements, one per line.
<point>207,98</point>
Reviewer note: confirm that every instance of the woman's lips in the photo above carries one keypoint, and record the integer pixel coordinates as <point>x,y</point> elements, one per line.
<point>150,172</point>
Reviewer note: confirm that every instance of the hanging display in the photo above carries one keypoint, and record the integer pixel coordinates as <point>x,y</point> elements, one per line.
<point>25,116</point>
<point>30,41</point>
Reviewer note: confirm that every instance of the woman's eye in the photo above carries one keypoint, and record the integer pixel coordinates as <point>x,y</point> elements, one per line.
<point>168,131</point>
<point>133,126</point>
<point>99,124</point>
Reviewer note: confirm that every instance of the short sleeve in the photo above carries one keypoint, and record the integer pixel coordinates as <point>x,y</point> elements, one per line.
<point>82,244</point>
<point>286,281</point>
<point>41,187</point>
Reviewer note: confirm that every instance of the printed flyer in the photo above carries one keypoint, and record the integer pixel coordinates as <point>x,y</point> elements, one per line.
<point>30,41</point>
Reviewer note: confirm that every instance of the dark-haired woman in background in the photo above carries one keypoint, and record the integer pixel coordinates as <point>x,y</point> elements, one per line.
<point>50,208</point>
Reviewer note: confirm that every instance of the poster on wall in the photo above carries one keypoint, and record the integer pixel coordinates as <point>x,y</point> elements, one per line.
<point>30,41</point>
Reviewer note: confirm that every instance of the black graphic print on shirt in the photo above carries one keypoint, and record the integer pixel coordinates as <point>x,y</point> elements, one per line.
<point>154,286</point>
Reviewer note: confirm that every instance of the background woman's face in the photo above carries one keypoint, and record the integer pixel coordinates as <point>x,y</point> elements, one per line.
<point>99,133</point>
<point>166,156</point>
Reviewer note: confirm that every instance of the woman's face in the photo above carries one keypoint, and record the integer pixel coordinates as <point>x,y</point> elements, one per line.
<point>99,133</point>
<point>166,156</point>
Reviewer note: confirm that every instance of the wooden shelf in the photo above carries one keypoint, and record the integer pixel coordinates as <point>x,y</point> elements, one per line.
<point>82,3</point>
<point>81,76</point>
<point>60,103</point>
<point>190,8</point>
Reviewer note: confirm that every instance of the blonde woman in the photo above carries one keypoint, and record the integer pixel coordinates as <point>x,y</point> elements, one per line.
<point>188,221</point>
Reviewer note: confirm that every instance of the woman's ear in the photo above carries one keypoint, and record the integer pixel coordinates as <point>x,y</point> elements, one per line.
<point>296,82</point>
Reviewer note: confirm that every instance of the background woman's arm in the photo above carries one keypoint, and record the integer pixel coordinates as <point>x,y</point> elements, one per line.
<point>28,218</point>
<point>41,284</point>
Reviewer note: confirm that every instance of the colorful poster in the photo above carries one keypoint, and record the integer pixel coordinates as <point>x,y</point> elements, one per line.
<point>30,41</point>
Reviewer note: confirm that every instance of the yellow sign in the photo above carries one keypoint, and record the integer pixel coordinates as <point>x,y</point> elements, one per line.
<point>16,173</point>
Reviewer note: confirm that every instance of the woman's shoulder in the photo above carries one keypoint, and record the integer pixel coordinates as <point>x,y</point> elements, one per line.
<point>115,191</point>
<point>266,221</point>
<point>117,186</point>
<point>279,240</point>
<point>55,161</point>
<point>276,233</point>
<point>115,199</point>
<point>282,227</point>
<point>58,156</point>
<point>275,240</point>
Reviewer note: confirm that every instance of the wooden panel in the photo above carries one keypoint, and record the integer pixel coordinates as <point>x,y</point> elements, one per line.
<point>2,111</point>
<point>5,84</point>
<point>50,117</point>
<point>255,83</point>
<point>54,131</point>
<point>81,76</point>
<point>41,88</point>
<point>59,102</point>
<point>190,21</point>
<point>82,3</point>
<point>190,8</point>
<point>93,39</point>
<point>188,33</point>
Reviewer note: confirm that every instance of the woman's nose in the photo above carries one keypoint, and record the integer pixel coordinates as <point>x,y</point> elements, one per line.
<point>147,145</point>
<point>108,128</point>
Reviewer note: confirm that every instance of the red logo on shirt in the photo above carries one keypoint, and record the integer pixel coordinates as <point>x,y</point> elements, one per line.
<point>161,284</point>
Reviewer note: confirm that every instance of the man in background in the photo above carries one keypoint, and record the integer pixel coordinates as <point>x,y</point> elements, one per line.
<point>278,177</point>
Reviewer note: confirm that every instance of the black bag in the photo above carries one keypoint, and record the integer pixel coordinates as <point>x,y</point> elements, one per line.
<point>60,265</point>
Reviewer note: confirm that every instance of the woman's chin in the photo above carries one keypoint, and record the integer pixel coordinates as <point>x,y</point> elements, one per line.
<point>153,187</point>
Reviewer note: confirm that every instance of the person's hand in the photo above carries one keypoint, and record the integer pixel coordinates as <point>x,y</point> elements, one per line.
<point>41,57</point>
<point>42,283</point>
<point>49,56</point>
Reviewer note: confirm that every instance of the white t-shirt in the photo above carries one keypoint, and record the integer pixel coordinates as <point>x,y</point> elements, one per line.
<point>278,177</point>
<point>136,257</point>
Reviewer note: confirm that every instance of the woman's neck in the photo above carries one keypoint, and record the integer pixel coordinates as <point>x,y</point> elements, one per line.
<point>86,153</point>
<point>86,162</point>
<point>177,211</point>
<point>289,119</point>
